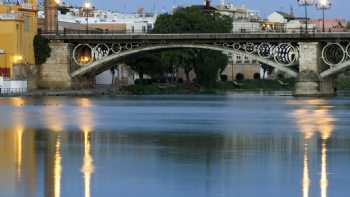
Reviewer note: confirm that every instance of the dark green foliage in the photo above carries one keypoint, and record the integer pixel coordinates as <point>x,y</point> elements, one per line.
<point>146,63</point>
<point>239,77</point>
<point>267,69</point>
<point>223,78</point>
<point>63,9</point>
<point>193,20</point>
<point>206,63</point>
<point>41,49</point>
<point>256,76</point>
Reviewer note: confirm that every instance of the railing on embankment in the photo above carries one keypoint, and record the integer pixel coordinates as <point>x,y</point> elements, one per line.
<point>6,92</point>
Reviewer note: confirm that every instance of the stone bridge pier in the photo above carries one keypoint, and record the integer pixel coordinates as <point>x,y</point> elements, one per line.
<point>309,80</point>
<point>55,73</point>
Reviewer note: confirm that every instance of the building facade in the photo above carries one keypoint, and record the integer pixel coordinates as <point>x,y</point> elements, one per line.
<point>244,20</point>
<point>18,22</point>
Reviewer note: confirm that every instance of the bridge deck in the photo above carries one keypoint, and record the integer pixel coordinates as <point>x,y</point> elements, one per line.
<point>311,37</point>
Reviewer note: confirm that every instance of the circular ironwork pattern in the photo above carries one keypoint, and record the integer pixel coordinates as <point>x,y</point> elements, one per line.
<point>116,48</point>
<point>265,50</point>
<point>83,54</point>
<point>285,54</point>
<point>250,48</point>
<point>237,46</point>
<point>333,54</point>
<point>348,50</point>
<point>101,51</point>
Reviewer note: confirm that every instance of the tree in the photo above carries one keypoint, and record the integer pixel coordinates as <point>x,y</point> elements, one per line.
<point>266,69</point>
<point>146,63</point>
<point>41,49</point>
<point>206,63</point>
<point>348,25</point>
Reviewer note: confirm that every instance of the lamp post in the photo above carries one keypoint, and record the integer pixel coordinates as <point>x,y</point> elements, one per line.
<point>306,3</point>
<point>87,6</point>
<point>57,20</point>
<point>323,5</point>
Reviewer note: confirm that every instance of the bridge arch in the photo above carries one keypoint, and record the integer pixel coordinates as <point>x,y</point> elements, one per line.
<point>97,65</point>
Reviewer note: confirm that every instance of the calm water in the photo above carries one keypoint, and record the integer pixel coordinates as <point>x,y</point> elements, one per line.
<point>172,146</point>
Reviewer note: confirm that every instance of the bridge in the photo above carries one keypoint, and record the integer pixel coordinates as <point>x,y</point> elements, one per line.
<point>315,59</point>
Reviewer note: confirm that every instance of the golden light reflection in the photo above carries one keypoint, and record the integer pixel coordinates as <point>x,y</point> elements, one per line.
<point>53,117</point>
<point>84,102</point>
<point>88,166</point>
<point>17,101</point>
<point>57,168</point>
<point>19,136</point>
<point>324,176</point>
<point>306,177</point>
<point>313,118</point>
<point>85,120</point>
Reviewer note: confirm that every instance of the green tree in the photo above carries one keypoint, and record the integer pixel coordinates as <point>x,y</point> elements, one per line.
<point>206,63</point>
<point>348,25</point>
<point>41,49</point>
<point>146,63</point>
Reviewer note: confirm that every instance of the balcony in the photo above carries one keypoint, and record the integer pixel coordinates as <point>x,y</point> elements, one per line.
<point>11,16</point>
<point>27,6</point>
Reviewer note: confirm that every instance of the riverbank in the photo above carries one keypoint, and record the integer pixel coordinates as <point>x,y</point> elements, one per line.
<point>220,87</point>
<point>275,87</point>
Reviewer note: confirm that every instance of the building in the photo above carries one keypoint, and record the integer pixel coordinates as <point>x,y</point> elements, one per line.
<point>277,21</point>
<point>244,20</point>
<point>18,22</point>
<point>242,66</point>
<point>76,18</point>
<point>331,25</point>
<point>284,22</point>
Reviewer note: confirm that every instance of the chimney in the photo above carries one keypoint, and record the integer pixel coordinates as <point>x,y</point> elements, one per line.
<point>207,4</point>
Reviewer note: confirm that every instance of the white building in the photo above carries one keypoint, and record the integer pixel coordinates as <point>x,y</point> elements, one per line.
<point>297,26</point>
<point>11,86</point>
<point>244,20</point>
<point>76,18</point>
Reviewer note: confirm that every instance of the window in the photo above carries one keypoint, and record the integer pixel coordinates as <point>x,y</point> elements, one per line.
<point>26,23</point>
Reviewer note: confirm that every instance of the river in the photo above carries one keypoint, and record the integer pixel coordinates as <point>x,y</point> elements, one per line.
<point>243,145</point>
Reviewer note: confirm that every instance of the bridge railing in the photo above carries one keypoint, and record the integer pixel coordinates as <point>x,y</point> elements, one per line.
<point>118,32</point>
<point>92,31</point>
<point>13,91</point>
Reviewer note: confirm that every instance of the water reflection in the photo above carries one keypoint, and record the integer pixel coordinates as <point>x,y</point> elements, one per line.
<point>19,136</point>
<point>88,166</point>
<point>306,176</point>
<point>258,147</point>
<point>313,118</point>
<point>86,120</point>
<point>57,167</point>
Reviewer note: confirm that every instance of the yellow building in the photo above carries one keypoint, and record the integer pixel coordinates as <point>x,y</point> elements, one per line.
<point>18,26</point>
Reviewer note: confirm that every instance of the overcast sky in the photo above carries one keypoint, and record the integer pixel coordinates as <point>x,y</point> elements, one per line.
<point>340,8</point>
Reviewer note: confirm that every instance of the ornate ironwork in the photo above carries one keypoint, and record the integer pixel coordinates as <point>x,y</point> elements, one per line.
<point>284,54</point>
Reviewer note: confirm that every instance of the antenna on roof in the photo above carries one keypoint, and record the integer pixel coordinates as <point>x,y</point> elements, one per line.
<point>291,10</point>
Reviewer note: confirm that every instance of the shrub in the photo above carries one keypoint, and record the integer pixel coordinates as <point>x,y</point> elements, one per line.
<point>256,76</point>
<point>239,77</point>
<point>41,49</point>
<point>224,78</point>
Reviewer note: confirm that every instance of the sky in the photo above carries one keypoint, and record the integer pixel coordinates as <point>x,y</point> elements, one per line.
<point>340,8</point>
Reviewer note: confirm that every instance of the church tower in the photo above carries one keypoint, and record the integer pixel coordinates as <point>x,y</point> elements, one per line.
<point>50,22</point>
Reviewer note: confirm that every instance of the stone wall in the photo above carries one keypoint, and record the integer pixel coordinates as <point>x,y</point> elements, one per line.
<point>54,74</point>
<point>26,72</point>
<point>310,66</point>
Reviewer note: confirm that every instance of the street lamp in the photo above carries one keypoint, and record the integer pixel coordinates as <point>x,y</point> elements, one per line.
<point>323,5</point>
<point>87,6</point>
<point>306,3</point>
<point>57,20</point>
